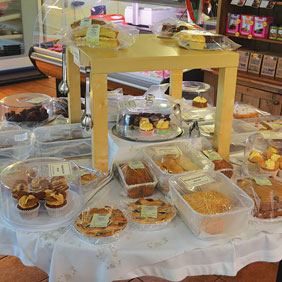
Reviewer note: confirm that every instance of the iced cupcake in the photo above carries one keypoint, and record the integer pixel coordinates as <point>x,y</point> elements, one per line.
<point>55,202</point>
<point>28,206</point>
<point>269,168</point>
<point>162,126</point>
<point>272,150</point>
<point>59,183</point>
<point>199,102</point>
<point>19,187</point>
<point>254,159</point>
<point>146,129</point>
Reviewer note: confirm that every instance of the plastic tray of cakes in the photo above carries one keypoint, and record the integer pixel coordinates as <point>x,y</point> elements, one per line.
<point>63,141</point>
<point>210,204</point>
<point>90,178</point>
<point>268,122</point>
<point>15,144</point>
<point>40,194</point>
<point>173,158</point>
<point>262,156</point>
<point>146,119</point>
<point>27,109</point>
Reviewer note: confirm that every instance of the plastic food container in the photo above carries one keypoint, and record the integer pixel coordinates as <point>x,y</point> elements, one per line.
<point>180,155</point>
<point>53,187</point>
<point>149,214</point>
<point>5,126</point>
<point>27,109</point>
<point>108,225</point>
<point>139,181</point>
<point>62,141</point>
<point>15,144</point>
<point>90,178</point>
<point>146,119</point>
<point>262,156</point>
<point>211,226</point>
<point>192,89</point>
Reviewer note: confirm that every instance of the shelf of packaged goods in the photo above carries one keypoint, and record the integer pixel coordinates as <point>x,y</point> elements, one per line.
<point>11,37</point>
<point>255,38</point>
<point>149,53</point>
<point>10,17</point>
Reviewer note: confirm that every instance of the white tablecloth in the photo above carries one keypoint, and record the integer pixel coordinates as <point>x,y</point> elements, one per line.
<point>172,253</point>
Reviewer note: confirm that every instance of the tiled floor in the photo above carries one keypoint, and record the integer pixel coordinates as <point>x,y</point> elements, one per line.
<point>12,270</point>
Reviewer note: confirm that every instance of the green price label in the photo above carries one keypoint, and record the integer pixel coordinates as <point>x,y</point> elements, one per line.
<point>85,22</point>
<point>262,181</point>
<point>136,165</point>
<point>149,211</point>
<point>93,33</point>
<point>100,220</point>
<point>212,155</point>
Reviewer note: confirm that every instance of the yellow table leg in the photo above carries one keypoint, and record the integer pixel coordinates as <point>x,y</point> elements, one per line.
<point>176,78</point>
<point>98,93</point>
<point>73,79</point>
<point>224,110</point>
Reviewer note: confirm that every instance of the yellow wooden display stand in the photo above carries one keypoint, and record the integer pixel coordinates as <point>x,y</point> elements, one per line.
<point>147,54</point>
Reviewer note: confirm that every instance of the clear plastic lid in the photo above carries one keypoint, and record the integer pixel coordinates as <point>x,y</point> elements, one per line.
<point>195,87</point>
<point>41,194</point>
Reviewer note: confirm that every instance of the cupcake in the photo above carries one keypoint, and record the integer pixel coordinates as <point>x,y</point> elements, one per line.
<point>254,159</point>
<point>146,129</point>
<point>55,202</point>
<point>39,184</point>
<point>162,126</point>
<point>269,168</point>
<point>19,187</point>
<point>28,206</point>
<point>199,102</point>
<point>59,183</point>
<point>272,150</point>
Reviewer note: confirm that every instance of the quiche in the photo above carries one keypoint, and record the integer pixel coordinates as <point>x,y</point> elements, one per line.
<point>117,222</point>
<point>165,212</point>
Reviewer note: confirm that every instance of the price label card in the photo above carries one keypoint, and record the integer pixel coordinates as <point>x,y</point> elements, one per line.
<point>212,155</point>
<point>170,150</point>
<point>136,165</point>
<point>127,104</point>
<point>21,137</point>
<point>271,135</point>
<point>262,181</point>
<point>196,180</point>
<point>149,211</point>
<point>36,100</point>
<point>93,33</point>
<point>100,220</point>
<point>76,57</point>
<point>85,22</point>
<point>59,169</point>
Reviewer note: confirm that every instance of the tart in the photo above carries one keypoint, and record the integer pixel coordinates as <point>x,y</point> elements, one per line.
<point>165,212</point>
<point>199,102</point>
<point>117,222</point>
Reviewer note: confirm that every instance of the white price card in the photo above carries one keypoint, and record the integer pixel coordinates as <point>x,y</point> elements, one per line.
<point>85,22</point>
<point>36,100</point>
<point>271,135</point>
<point>196,179</point>
<point>100,220</point>
<point>60,169</point>
<point>127,104</point>
<point>93,34</point>
<point>169,150</point>
<point>76,57</point>
<point>149,211</point>
<point>21,137</point>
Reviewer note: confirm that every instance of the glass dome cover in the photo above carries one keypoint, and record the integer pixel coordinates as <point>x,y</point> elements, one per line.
<point>41,194</point>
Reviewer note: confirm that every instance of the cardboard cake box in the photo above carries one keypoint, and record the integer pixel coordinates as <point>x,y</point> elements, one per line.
<point>255,62</point>
<point>243,59</point>
<point>269,65</point>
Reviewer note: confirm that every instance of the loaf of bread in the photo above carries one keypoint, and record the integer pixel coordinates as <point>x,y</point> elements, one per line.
<point>104,32</point>
<point>137,177</point>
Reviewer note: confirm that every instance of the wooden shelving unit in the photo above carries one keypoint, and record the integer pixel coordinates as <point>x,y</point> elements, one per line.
<point>255,38</point>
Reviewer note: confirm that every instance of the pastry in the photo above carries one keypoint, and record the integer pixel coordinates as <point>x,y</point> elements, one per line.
<point>137,177</point>
<point>270,197</point>
<point>117,222</point>
<point>87,178</point>
<point>211,202</point>
<point>104,42</point>
<point>225,166</point>
<point>255,157</point>
<point>28,206</point>
<point>199,102</point>
<point>165,212</point>
<point>269,167</point>
<point>162,126</point>
<point>59,183</point>
<point>92,21</point>
<point>39,184</point>
<point>244,111</point>
<point>186,163</point>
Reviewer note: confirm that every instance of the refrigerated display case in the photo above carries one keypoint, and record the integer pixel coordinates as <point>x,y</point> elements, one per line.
<point>17,18</point>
